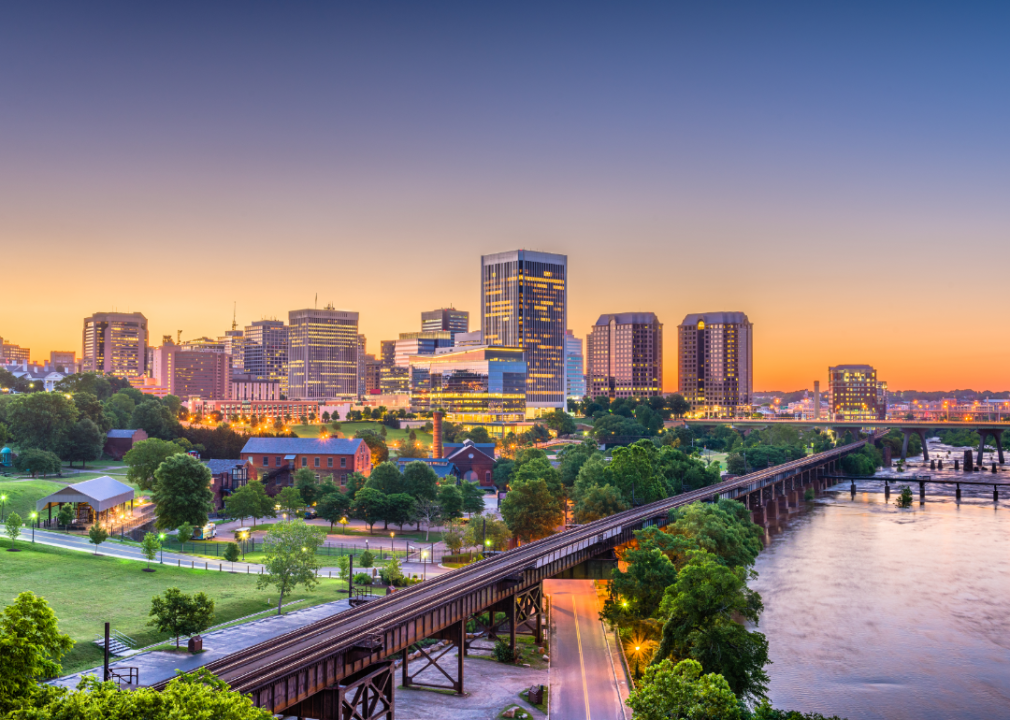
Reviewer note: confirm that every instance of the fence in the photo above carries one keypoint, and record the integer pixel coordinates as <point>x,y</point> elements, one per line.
<point>330,549</point>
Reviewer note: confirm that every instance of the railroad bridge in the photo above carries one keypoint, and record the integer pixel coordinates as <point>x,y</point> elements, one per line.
<point>342,668</point>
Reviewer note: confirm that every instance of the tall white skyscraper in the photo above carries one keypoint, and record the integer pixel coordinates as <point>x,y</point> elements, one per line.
<point>322,354</point>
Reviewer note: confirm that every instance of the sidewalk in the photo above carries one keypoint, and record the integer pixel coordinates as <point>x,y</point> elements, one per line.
<point>158,665</point>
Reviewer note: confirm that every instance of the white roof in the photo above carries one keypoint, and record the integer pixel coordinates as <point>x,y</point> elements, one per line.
<point>101,494</point>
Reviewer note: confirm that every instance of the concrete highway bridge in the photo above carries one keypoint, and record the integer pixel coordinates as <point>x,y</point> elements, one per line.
<point>922,428</point>
<point>342,667</point>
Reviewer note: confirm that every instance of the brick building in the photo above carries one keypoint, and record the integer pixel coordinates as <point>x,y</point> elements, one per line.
<point>275,460</point>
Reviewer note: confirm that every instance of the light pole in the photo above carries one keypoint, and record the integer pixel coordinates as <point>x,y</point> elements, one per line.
<point>242,536</point>
<point>343,526</point>
<point>424,565</point>
<point>34,517</point>
<point>392,548</point>
<point>161,539</point>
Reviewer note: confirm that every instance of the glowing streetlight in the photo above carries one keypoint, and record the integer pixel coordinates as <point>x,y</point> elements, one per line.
<point>424,565</point>
<point>34,517</point>
<point>391,548</point>
<point>161,541</point>
<point>343,525</point>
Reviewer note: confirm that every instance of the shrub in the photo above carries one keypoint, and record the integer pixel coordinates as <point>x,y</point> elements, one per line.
<point>362,579</point>
<point>503,653</point>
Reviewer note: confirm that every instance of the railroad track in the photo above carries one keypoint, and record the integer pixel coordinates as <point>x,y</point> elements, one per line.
<point>276,658</point>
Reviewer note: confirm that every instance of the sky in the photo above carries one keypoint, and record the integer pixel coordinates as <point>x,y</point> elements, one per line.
<point>841,173</point>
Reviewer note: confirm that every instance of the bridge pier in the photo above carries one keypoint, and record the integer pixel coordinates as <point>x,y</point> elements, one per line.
<point>368,694</point>
<point>922,492</point>
<point>997,435</point>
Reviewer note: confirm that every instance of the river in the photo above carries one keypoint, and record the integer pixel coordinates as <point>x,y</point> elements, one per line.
<point>875,612</point>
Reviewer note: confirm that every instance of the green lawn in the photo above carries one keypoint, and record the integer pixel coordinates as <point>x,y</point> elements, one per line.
<point>21,495</point>
<point>85,591</point>
<point>348,430</point>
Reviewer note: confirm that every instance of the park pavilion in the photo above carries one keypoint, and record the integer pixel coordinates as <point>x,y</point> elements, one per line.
<point>101,500</point>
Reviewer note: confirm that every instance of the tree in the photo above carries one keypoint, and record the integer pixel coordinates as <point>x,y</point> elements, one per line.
<point>84,442</point>
<point>144,458</point>
<point>429,512</point>
<point>572,458</point>
<point>450,499</point>
<point>343,567</point>
<point>231,553</point>
<point>150,546</point>
<point>36,461</point>
<point>90,407</point>
<point>31,646</point>
<point>184,533</point>
<point>615,428</point>
<point>250,500</point>
<point>530,510</point>
<point>638,591</point>
<point>182,492</point>
<point>41,420</point>
<point>65,517</point>
<point>678,405</point>
<point>724,529</point>
<point>369,505</point>
<point>386,478</point>
<point>453,535</point>
<point>473,498</point>
<point>632,473</point>
<point>399,509</point>
<point>560,422</point>
<point>197,694</point>
<point>290,500</point>
<point>120,409</point>
<point>377,446</point>
<point>486,532</point>
<point>13,527</point>
<point>412,449</point>
<point>176,613</point>
<point>355,481</point>
<point>599,502</point>
<point>290,557</point>
<point>366,559</point>
<point>333,506</point>
<point>681,691</point>
<point>420,481</point>
<point>155,419</point>
<point>97,535</point>
<point>703,608</point>
<point>305,481</point>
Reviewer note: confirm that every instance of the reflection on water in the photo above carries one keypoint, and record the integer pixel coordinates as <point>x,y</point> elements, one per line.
<point>875,612</point>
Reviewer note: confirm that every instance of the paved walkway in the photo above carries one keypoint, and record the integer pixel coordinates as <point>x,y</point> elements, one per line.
<point>131,552</point>
<point>156,666</point>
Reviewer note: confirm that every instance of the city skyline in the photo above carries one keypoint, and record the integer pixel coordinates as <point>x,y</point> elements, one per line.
<point>834,160</point>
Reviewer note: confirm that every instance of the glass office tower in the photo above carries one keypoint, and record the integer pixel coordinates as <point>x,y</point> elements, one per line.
<point>524,304</point>
<point>115,344</point>
<point>265,352</point>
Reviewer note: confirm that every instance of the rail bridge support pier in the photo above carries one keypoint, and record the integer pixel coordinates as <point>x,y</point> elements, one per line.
<point>456,634</point>
<point>997,435</point>
<point>369,694</point>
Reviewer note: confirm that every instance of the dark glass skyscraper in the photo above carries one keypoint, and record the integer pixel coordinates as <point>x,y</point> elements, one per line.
<point>265,352</point>
<point>322,354</point>
<point>450,319</point>
<point>524,304</point>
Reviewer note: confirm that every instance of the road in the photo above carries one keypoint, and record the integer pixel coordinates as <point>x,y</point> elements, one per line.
<point>132,552</point>
<point>583,679</point>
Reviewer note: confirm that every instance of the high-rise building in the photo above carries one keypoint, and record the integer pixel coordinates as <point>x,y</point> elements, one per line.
<point>483,386</point>
<point>11,353</point>
<point>322,354</point>
<point>856,394</point>
<point>265,352</point>
<point>234,345</point>
<point>362,365</point>
<point>524,304</point>
<point>115,344</point>
<point>817,399</point>
<point>470,339</point>
<point>387,353</point>
<point>624,355</point>
<point>203,374</point>
<point>204,344</point>
<point>715,362</point>
<point>448,319</point>
<point>373,375</point>
<point>575,373</point>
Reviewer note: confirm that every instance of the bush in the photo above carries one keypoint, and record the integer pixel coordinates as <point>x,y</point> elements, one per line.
<point>503,653</point>
<point>362,579</point>
<point>809,494</point>
<point>460,558</point>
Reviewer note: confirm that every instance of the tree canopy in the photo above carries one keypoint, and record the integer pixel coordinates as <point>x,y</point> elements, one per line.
<point>182,492</point>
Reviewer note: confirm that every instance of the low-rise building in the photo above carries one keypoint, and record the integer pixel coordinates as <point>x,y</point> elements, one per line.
<point>120,442</point>
<point>276,459</point>
<point>856,394</point>
<point>227,476</point>
<point>250,387</point>
<point>474,461</point>
<point>443,468</point>
<point>270,409</point>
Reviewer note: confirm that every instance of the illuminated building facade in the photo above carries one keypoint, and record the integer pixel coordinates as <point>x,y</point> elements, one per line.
<point>362,365</point>
<point>575,373</point>
<point>322,354</point>
<point>715,362</point>
<point>265,352</point>
<point>192,373</point>
<point>856,394</point>
<point>474,386</point>
<point>625,356</point>
<point>66,359</point>
<point>524,304</point>
<point>115,344</point>
<point>11,353</point>
<point>420,343</point>
<point>448,319</point>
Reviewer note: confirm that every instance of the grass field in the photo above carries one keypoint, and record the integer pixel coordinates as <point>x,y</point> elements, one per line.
<point>85,591</point>
<point>22,494</point>
<point>348,430</point>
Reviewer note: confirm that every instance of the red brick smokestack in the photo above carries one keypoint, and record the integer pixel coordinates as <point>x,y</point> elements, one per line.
<point>436,434</point>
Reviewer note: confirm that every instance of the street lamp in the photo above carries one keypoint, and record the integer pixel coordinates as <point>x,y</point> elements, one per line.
<point>161,540</point>
<point>34,517</point>
<point>243,536</point>
<point>424,564</point>
<point>343,525</point>
<point>392,549</point>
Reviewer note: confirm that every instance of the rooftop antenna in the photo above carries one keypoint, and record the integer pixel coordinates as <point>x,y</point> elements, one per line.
<point>234,315</point>
<point>179,337</point>
<point>316,303</point>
